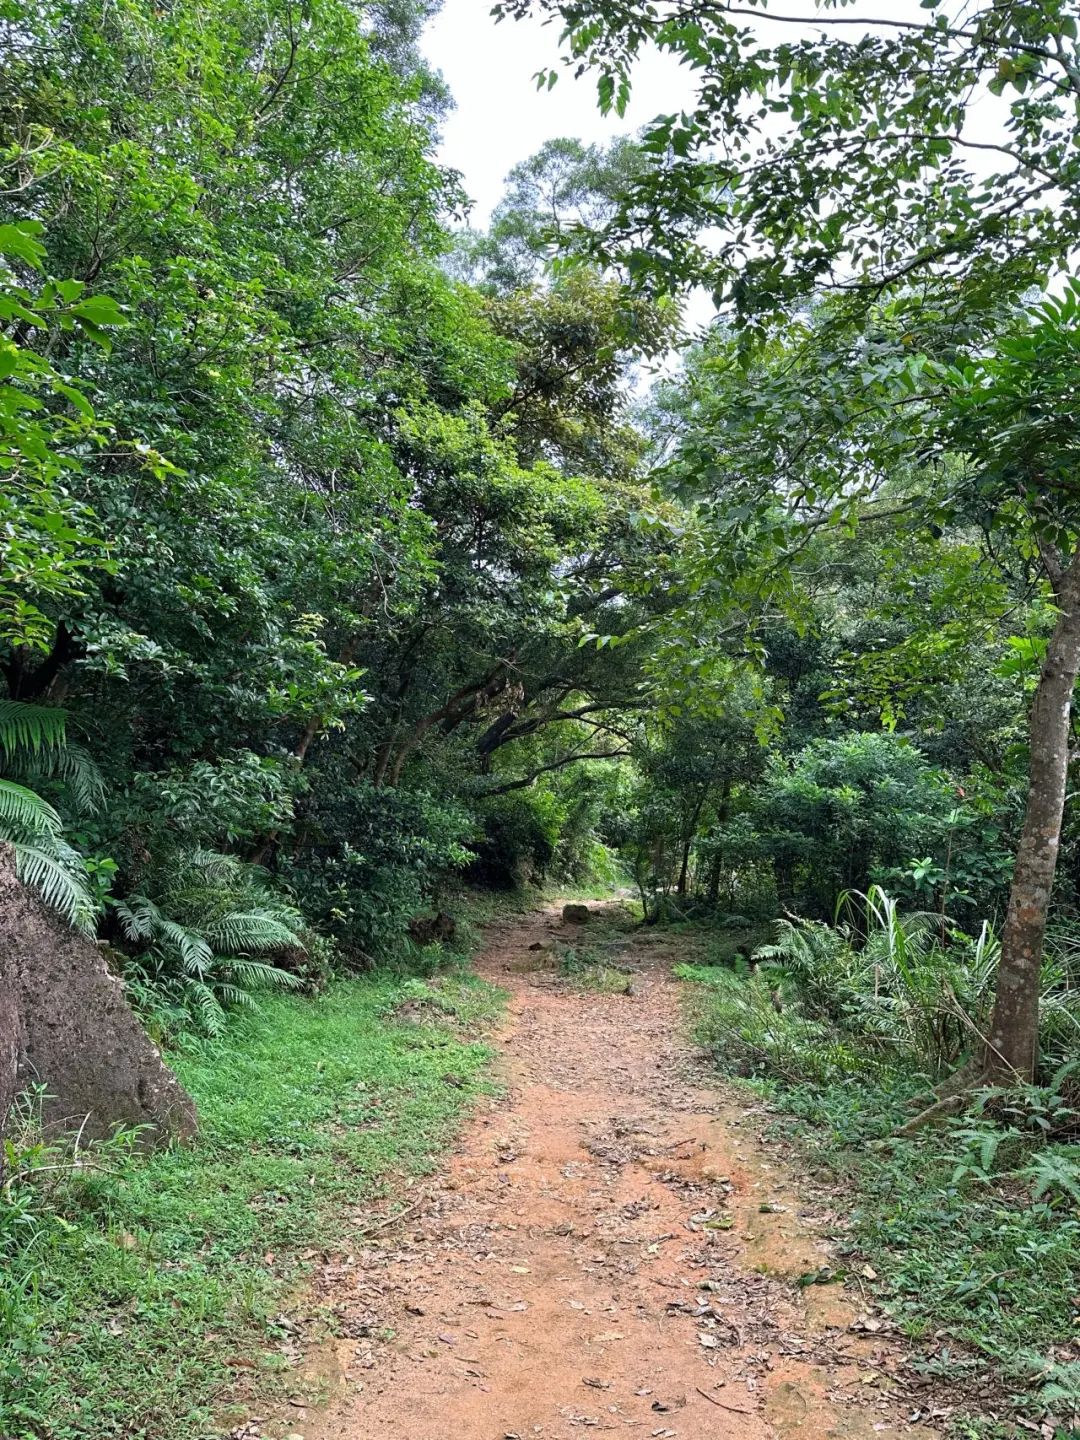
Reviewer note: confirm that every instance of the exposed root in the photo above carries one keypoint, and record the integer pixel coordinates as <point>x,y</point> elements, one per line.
<point>952,1096</point>
<point>971,1076</point>
<point>937,1111</point>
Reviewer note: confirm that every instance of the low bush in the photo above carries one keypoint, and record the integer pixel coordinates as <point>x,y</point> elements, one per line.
<point>376,859</point>
<point>212,937</point>
<point>518,839</point>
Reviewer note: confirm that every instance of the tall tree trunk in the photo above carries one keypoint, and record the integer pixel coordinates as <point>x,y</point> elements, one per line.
<point>684,867</point>
<point>688,838</point>
<point>35,683</point>
<point>1012,1047</point>
<point>717,862</point>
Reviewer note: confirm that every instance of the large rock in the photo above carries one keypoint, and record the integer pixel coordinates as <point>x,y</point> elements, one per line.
<point>576,914</point>
<point>65,1024</point>
<point>10,1031</point>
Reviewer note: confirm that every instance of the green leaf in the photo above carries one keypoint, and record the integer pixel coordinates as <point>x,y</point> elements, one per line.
<point>98,310</point>
<point>20,241</point>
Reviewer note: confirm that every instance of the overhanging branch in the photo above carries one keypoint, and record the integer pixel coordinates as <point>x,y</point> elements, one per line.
<point>554,765</point>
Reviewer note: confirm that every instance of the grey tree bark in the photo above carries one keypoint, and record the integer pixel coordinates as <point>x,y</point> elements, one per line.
<point>1012,1048</point>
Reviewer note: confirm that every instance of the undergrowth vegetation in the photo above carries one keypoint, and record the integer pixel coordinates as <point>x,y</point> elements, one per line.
<point>973,1225</point>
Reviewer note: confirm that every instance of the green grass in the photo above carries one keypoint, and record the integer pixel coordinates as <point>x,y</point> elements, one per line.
<point>590,968</point>
<point>982,1274</point>
<point>126,1294</point>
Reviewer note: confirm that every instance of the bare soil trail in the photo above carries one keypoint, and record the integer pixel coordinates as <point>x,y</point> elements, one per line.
<point>610,1249</point>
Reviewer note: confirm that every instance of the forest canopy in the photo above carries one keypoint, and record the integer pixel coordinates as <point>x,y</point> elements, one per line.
<point>349,553</point>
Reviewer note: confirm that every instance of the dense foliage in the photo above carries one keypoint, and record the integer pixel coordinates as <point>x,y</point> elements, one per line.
<point>341,546</point>
<point>349,554</point>
<point>343,558</point>
<point>304,533</point>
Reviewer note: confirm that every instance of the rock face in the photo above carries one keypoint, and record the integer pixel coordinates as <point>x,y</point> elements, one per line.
<point>65,1024</point>
<point>9,1050</point>
<point>576,914</point>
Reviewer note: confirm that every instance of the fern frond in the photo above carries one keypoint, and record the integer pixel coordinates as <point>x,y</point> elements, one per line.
<point>30,729</point>
<point>138,917</point>
<point>25,815</point>
<point>258,930</point>
<point>57,885</point>
<point>76,767</point>
<point>259,975</point>
<point>196,955</point>
<point>236,995</point>
<point>211,865</point>
<point>211,1012</point>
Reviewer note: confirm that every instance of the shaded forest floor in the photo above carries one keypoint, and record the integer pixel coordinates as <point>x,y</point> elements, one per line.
<point>612,1246</point>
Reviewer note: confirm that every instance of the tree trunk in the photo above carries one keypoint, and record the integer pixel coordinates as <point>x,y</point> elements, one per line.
<point>717,862</point>
<point>32,683</point>
<point>684,867</point>
<point>688,838</point>
<point>1012,1048</point>
<point>463,703</point>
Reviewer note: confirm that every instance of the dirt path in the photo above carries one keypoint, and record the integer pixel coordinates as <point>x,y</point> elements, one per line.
<point>610,1249</point>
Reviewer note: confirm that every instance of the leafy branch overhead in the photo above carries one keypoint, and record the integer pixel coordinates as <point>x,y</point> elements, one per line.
<point>821,149</point>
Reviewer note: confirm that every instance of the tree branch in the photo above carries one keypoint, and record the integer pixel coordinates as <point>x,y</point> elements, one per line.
<point>554,765</point>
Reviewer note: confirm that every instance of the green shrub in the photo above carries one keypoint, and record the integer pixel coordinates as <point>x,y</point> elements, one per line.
<point>520,835</point>
<point>753,1031</point>
<point>376,859</point>
<point>843,809</point>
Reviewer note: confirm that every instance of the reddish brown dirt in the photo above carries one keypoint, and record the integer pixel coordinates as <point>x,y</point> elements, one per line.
<point>610,1249</point>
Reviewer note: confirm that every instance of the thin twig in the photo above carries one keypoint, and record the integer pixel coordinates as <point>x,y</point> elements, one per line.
<point>736,1409</point>
<point>390,1219</point>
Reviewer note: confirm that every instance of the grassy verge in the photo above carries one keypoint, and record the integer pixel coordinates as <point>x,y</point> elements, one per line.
<point>977,1260</point>
<point>128,1294</point>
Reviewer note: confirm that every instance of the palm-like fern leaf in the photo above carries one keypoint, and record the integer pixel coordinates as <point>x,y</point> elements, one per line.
<point>211,865</point>
<point>141,919</point>
<point>30,729</point>
<point>256,930</point>
<point>196,955</point>
<point>34,737</point>
<point>25,815</point>
<point>209,1006</point>
<point>258,975</point>
<point>77,769</point>
<point>236,995</point>
<point>57,884</point>
<point>137,917</point>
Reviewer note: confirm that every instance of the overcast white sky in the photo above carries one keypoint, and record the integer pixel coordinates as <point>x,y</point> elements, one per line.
<point>501,118</point>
